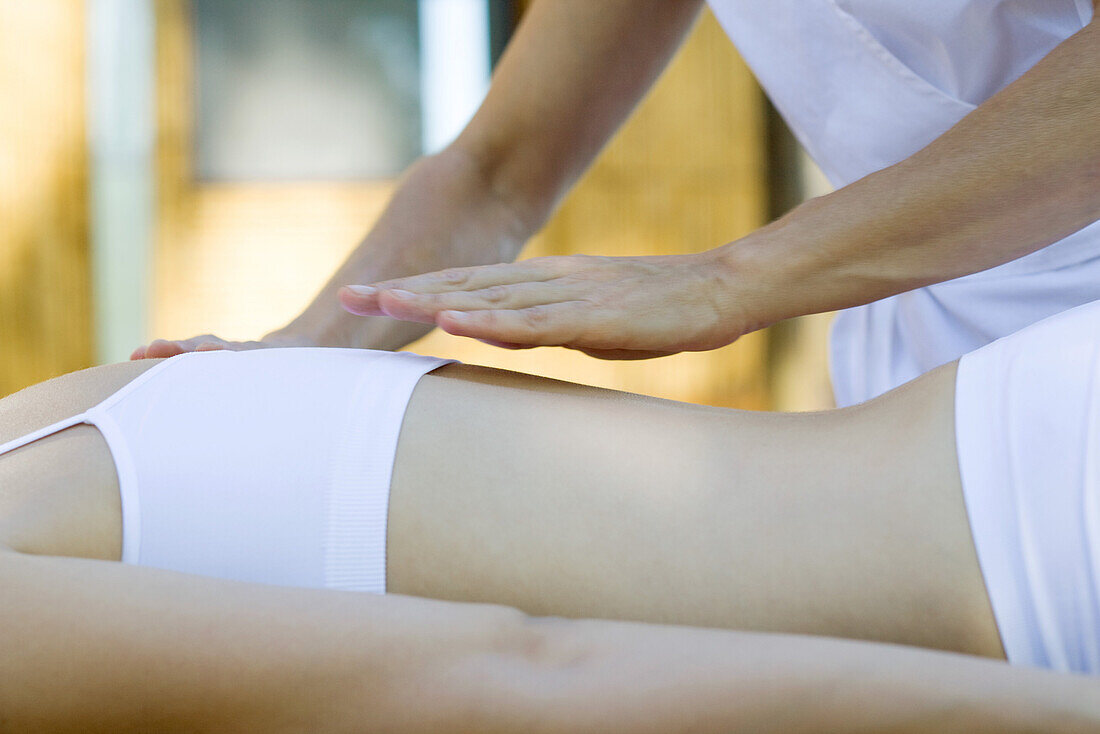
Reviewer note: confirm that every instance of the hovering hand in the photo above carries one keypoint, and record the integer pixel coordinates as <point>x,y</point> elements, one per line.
<point>607,307</point>
<point>161,348</point>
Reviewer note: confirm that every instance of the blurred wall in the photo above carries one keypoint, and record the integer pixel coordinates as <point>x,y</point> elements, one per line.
<point>45,291</point>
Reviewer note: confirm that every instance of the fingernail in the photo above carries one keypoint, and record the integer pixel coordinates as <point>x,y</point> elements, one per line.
<point>362,290</point>
<point>456,315</point>
<point>402,294</point>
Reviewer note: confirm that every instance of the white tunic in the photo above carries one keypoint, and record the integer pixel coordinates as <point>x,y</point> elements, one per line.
<point>864,84</point>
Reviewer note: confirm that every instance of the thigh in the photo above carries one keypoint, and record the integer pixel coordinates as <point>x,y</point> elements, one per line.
<point>573,501</point>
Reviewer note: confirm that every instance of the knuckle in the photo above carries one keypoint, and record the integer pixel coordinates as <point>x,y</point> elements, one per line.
<point>595,298</point>
<point>495,294</point>
<point>454,276</point>
<point>536,317</point>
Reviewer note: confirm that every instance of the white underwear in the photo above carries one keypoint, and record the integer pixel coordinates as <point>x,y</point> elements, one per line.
<point>271,466</point>
<point>1027,419</point>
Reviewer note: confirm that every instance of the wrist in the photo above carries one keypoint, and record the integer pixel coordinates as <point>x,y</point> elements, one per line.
<point>763,286</point>
<point>443,214</point>
<point>829,253</point>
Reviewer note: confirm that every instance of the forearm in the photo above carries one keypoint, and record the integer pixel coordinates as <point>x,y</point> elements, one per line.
<point>568,79</point>
<point>1017,174</point>
<point>442,214</point>
<point>574,71</point>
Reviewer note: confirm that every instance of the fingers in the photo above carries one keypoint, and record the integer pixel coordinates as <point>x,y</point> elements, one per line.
<point>626,354</point>
<point>557,324</point>
<point>161,349</point>
<point>424,307</point>
<point>364,299</point>
<point>505,345</point>
<point>477,277</point>
<point>164,348</point>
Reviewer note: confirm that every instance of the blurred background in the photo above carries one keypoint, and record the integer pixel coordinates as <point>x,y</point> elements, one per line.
<point>177,167</point>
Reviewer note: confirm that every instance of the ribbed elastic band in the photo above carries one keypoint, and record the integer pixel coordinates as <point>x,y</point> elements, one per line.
<point>358,493</point>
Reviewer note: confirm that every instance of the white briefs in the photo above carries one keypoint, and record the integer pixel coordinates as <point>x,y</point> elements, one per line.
<point>271,466</point>
<point>1027,417</point>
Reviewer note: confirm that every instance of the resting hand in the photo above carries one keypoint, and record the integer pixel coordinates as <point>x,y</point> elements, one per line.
<point>161,348</point>
<point>608,307</point>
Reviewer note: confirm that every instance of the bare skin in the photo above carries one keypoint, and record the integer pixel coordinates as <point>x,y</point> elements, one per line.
<point>1015,175</point>
<point>567,500</point>
<point>94,645</point>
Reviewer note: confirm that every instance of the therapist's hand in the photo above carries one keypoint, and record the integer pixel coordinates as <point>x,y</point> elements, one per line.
<point>162,348</point>
<point>608,307</point>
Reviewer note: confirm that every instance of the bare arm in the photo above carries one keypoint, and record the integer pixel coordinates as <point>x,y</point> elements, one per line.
<point>1017,174</point>
<point>1020,172</point>
<point>98,646</point>
<point>568,79</point>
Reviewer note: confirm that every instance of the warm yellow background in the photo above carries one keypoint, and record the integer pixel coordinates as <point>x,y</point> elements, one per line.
<point>687,172</point>
<point>45,292</point>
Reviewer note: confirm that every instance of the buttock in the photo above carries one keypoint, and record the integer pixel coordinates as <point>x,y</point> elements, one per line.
<point>1028,436</point>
